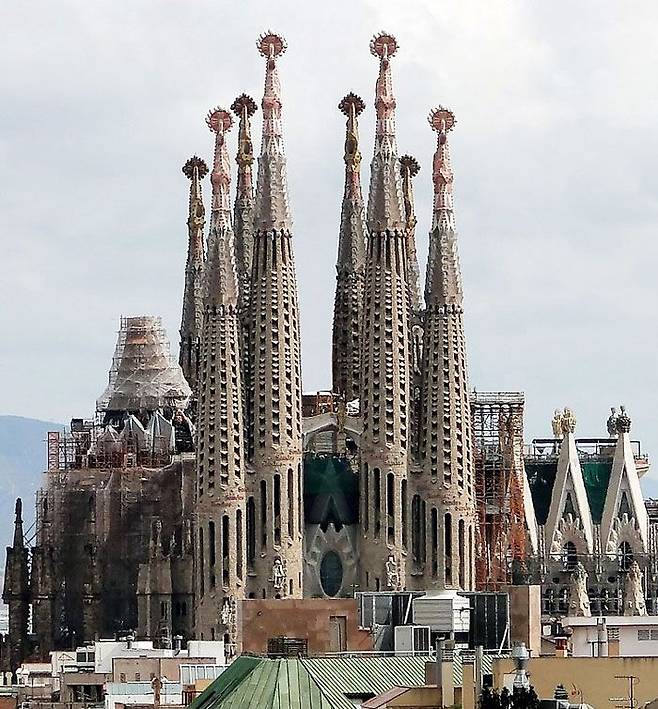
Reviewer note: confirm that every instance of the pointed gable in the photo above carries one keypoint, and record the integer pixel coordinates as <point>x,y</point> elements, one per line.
<point>624,514</point>
<point>569,516</point>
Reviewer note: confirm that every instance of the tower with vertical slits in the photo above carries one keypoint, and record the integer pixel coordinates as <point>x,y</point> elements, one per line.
<point>274,503</point>
<point>385,375</point>
<point>348,302</point>
<point>220,566</point>
<point>443,507</point>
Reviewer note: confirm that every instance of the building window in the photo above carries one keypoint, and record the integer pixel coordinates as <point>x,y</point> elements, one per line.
<point>569,556</point>
<point>404,513</point>
<point>251,532</point>
<point>238,542</point>
<point>447,548</point>
<point>624,556</point>
<point>211,544</point>
<point>263,513</point>
<point>331,573</point>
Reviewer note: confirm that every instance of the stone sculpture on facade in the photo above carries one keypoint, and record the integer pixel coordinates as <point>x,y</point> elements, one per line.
<point>578,599</point>
<point>634,601</point>
<point>279,574</point>
<point>393,573</point>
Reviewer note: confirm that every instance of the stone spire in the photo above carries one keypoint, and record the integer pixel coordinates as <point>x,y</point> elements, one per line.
<point>220,567</point>
<point>272,210</point>
<point>445,483</point>
<point>346,341</point>
<point>385,375</point>
<point>274,411</point>
<point>244,107</point>
<point>409,168</point>
<point>195,169</point>
<point>16,592</point>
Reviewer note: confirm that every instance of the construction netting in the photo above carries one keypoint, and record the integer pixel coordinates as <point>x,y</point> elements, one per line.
<point>143,375</point>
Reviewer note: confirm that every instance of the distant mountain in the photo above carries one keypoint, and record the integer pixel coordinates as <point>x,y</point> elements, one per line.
<point>22,462</point>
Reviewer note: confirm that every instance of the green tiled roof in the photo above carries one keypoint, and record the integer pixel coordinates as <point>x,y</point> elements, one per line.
<point>308,683</point>
<point>541,477</point>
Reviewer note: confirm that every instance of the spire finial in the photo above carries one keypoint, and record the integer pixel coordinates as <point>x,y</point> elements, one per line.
<point>409,168</point>
<point>271,210</point>
<point>195,169</point>
<point>221,285</point>
<point>244,108</point>
<point>442,120</point>
<point>220,122</point>
<point>18,524</point>
<point>384,46</point>
<point>271,46</point>
<point>197,164</point>
<point>352,106</point>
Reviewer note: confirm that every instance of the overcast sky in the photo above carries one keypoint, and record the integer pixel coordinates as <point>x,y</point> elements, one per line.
<point>555,157</point>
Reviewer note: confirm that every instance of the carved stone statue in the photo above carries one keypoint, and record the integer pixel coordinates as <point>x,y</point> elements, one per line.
<point>279,574</point>
<point>612,423</point>
<point>392,573</point>
<point>556,423</point>
<point>578,598</point>
<point>634,602</point>
<point>568,421</point>
<point>225,613</point>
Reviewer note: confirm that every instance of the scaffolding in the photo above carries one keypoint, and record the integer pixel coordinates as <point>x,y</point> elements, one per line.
<point>497,425</point>
<point>143,375</point>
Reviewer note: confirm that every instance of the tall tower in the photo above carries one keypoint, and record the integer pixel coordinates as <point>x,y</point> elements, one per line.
<point>274,504</point>
<point>221,561</point>
<point>443,506</point>
<point>16,592</point>
<point>409,168</point>
<point>385,353</point>
<point>244,108</point>
<point>346,340</point>
<point>243,216</point>
<point>195,169</point>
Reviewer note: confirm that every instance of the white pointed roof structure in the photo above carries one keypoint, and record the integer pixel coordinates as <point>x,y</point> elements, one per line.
<point>624,513</point>
<point>569,517</point>
<point>529,512</point>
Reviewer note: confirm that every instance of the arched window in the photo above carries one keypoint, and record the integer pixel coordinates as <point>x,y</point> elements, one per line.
<point>331,573</point>
<point>569,556</point>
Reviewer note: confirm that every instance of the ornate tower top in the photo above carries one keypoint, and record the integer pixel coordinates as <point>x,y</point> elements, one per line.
<point>271,46</point>
<point>220,122</point>
<point>244,107</point>
<point>384,46</point>
<point>272,210</point>
<point>195,169</point>
<point>221,283</point>
<point>195,164</point>
<point>352,106</point>
<point>443,285</point>
<point>409,168</point>
<point>385,202</point>
<point>442,120</point>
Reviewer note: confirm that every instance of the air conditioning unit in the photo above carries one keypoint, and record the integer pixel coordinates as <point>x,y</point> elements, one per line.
<point>412,639</point>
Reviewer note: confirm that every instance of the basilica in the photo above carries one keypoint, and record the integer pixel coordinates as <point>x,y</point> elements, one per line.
<point>206,481</point>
